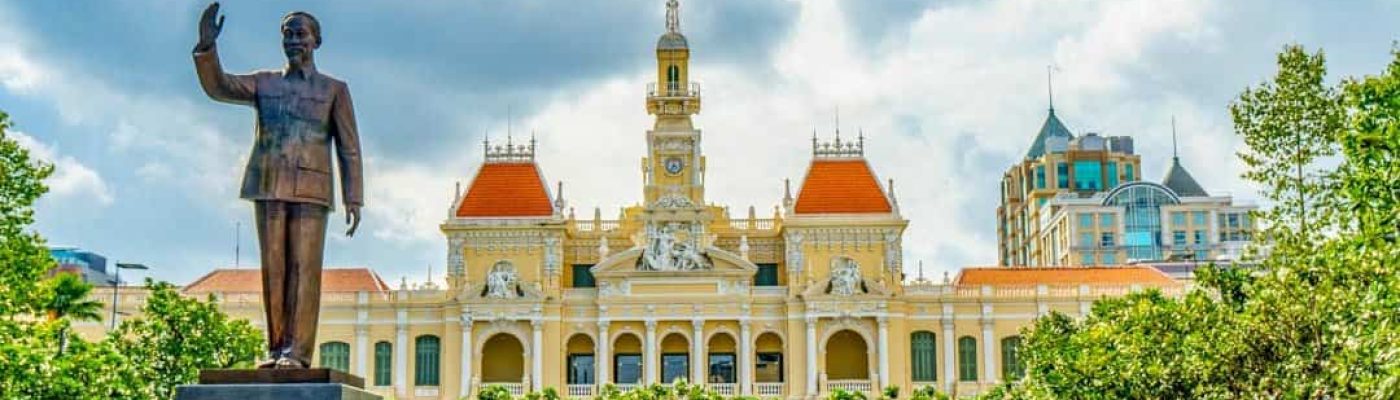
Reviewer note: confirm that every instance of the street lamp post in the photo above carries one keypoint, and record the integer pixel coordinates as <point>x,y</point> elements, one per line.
<point>116,287</point>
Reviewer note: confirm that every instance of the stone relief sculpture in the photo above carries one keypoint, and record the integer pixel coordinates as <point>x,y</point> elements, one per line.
<point>845,277</point>
<point>665,251</point>
<point>502,282</point>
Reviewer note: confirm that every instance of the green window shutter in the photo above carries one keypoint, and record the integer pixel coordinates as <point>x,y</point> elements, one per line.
<point>383,364</point>
<point>924,356</point>
<point>335,355</point>
<point>1011,366</point>
<point>426,360</point>
<point>967,359</point>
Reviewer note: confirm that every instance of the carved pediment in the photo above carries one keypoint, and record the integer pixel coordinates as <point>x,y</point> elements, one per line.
<point>863,289</point>
<point>623,264</point>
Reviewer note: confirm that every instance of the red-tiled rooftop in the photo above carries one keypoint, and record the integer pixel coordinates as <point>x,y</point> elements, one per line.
<point>506,190</point>
<point>842,186</point>
<point>1146,276</point>
<point>250,281</point>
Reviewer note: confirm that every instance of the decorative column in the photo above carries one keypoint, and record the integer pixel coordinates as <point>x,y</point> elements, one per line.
<point>884,337</point>
<point>649,351</point>
<point>468,355</point>
<point>697,351</point>
<point>811,356</point>
<point>361,334</point>
<point>989,352</point>
<point>537,355</point>
<point>745,359</point>
<point>361,348</point>
<point>949,371</point>
<point>602,358</point>
<point>401,355</point>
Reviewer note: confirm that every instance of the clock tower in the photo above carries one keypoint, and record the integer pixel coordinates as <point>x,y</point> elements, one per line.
<point>674,170</point>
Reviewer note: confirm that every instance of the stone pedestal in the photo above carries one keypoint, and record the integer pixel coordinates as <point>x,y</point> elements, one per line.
<point>275,384</point>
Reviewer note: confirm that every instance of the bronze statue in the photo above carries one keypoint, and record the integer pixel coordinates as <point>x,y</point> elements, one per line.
<point>300,114</point>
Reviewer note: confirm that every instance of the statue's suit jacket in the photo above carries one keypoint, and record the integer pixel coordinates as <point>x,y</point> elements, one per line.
<point>297,122</point>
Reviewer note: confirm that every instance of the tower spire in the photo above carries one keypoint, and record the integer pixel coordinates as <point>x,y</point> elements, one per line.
<point>1050,85</point>
<point>1174,154</point>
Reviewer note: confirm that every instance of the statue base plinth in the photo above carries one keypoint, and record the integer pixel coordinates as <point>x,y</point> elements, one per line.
<point>271,384</point>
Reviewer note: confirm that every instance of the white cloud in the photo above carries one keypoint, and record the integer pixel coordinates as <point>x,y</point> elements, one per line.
<point>944,113</point>
<point>70,179</point>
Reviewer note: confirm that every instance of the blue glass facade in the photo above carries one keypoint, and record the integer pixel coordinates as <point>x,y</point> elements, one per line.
<point>1088,175</point>
<point>1062,175</point>
<point>1112,169</point>
<point>1142,217</point>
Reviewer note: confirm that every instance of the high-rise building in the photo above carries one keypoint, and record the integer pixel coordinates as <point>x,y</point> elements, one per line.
<point>1082,200</point>
<point>92,267</point>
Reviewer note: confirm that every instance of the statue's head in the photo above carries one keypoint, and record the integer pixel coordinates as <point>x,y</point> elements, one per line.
<point>301,35</point>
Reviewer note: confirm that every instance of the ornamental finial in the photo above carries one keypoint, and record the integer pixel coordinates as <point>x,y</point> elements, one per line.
<point>673,17</point>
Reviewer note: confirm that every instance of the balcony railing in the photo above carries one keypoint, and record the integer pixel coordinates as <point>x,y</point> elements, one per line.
<point>627,387</point>
<point>849,385</point>
<point>581,391</point>
<point>755,224</point>
<point>515,388</point>
<point>726,389</point>
<point>675,89</point>
<point>768,389</point>
<point>596,225</point>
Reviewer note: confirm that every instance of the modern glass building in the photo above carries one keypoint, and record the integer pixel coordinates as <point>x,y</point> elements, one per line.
<point>1082,201</point>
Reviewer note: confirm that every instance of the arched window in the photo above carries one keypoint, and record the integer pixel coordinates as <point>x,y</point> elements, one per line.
<point>426,361</point>
<point>673,78</point>
<point>336,356</point>
<point>1011,366</point>
<point>383,364</point>
<point>967,359</point>
<point>1142,217</point>
<point>924,356</point>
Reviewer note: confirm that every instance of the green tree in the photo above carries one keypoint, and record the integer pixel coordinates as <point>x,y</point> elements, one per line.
<point>65,296</point>
<point>1316,318</point>
<point>23,257</point>
<point>177,336</point>
<point>1288,124</point>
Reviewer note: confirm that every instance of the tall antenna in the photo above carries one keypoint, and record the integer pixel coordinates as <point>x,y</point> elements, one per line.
<point>237,241</point>
<point>1174,156</point>
<point>838,121</point>
<point>510,120</point>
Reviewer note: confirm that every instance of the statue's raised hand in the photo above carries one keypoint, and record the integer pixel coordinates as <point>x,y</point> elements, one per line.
<point>209,27</point>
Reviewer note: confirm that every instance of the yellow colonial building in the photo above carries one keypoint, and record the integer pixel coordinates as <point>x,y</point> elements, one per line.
<point>796,304</point>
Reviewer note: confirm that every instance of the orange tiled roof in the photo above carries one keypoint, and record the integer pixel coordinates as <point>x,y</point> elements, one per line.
<point>506,190</point>
<point>840,186</point>
<point>250,281</point>
<point>1063,276</point>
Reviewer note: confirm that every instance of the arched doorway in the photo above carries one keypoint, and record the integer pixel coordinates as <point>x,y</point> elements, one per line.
<point>675,358</point>
<point>627,359</point>
<point>847,357</point>
<point>768,369</point>
<point>580,362</point>
<point>502,360</point>
<point>722,363</point>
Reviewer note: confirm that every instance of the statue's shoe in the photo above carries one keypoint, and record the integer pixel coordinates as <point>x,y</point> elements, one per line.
<point>290,363</point>
<point>269,364</point>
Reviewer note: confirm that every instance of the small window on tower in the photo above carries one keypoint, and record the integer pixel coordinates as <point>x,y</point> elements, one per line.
<point>673,78</point>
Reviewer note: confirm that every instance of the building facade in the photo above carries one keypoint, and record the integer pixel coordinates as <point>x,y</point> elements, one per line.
<point>796,304</point>
<point>1083,201</point>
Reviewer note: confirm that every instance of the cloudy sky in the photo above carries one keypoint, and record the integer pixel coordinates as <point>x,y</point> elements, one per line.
<point>948,93</point>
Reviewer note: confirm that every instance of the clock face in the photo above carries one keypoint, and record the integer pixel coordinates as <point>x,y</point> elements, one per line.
<point>673,165</point>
